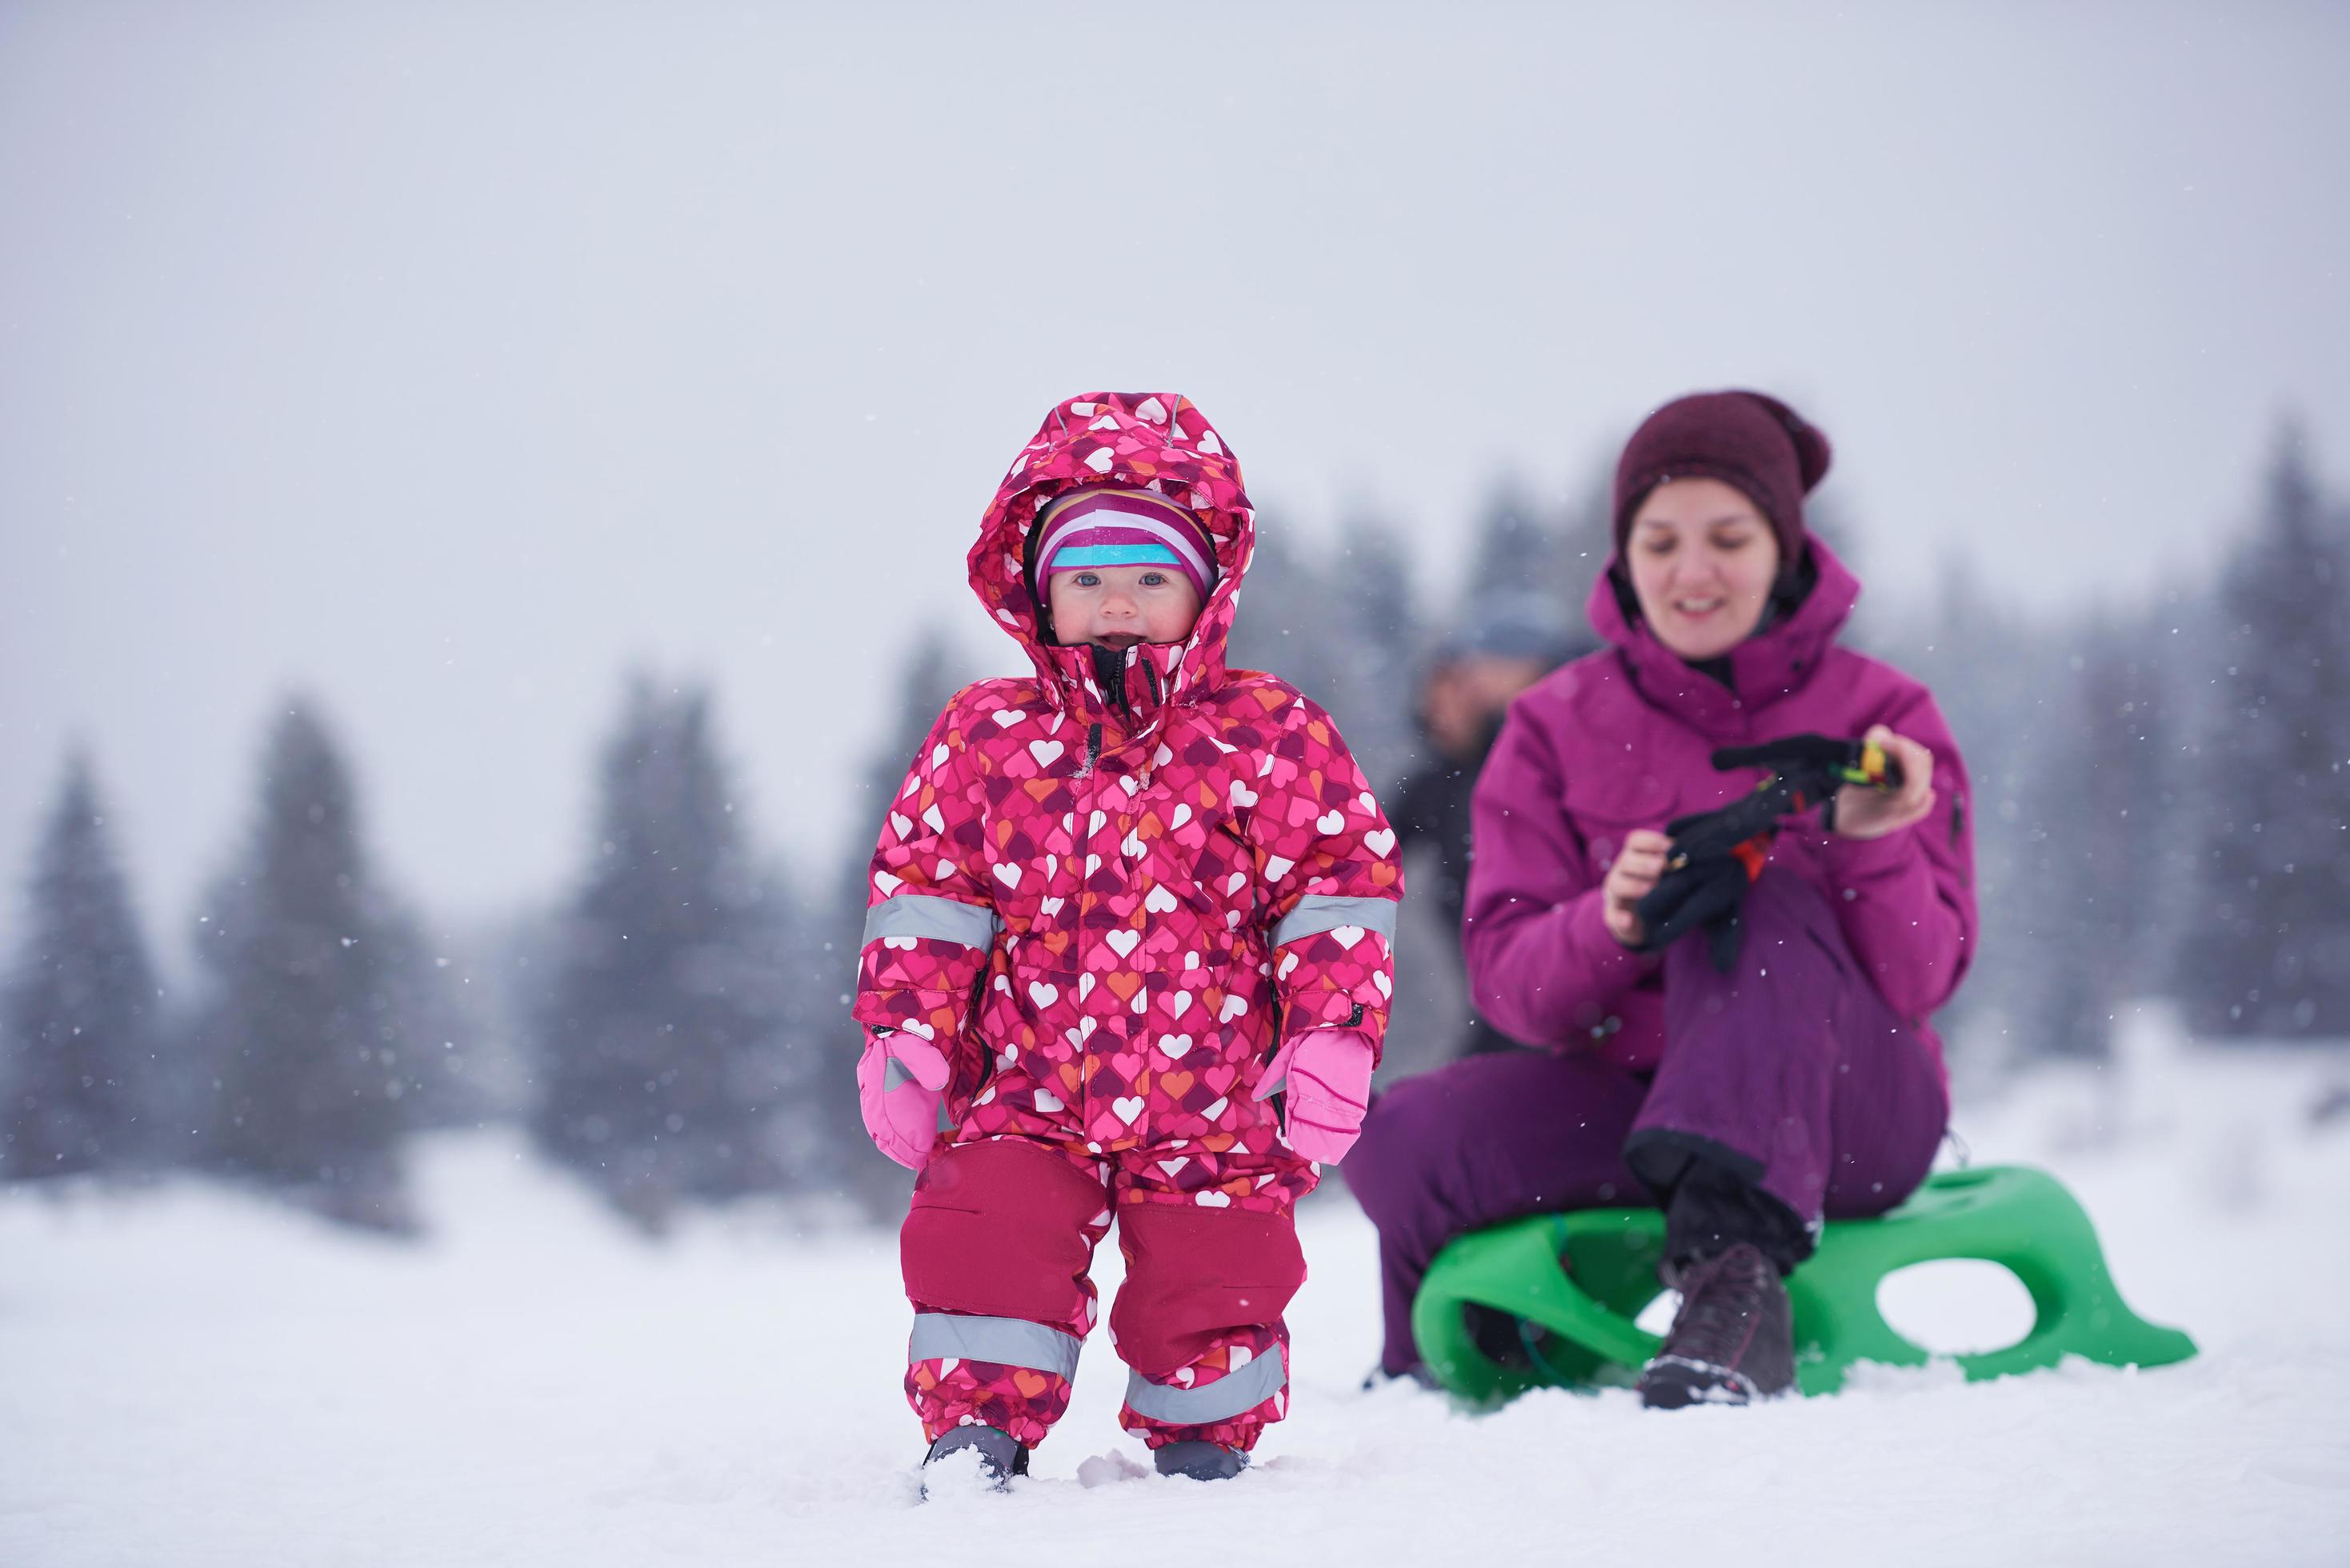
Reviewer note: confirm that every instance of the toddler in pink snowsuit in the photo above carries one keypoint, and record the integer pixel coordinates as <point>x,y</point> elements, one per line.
<point>1129,921</point>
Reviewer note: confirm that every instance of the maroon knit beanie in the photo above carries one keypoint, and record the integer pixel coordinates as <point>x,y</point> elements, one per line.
<point>1755,442</point>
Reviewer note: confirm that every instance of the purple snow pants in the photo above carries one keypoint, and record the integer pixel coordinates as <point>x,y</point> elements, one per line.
<point>1792,1061</point>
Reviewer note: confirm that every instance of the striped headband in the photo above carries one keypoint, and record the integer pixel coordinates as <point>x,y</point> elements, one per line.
<point>1100,526</point>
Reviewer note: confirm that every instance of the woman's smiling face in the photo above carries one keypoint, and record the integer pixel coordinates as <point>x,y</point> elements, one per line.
<point>1702,559</point>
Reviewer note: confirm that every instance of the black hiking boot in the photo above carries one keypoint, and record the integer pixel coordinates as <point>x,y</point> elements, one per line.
<point>1199,1460</point>
<point>1733,1340</point>
<point>1000,1457</point>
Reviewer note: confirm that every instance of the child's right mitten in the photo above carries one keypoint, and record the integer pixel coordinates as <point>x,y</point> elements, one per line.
<point>902,1079</point>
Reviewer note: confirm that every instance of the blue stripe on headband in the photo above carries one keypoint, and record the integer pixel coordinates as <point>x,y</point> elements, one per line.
<point>1072,557</point>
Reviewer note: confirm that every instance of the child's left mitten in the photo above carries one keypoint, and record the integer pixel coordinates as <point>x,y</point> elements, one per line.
<point>1326,1075</point>
<point>902,1079</point>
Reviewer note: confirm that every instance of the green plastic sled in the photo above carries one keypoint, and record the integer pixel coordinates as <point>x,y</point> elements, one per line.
<point>1585,1276</point>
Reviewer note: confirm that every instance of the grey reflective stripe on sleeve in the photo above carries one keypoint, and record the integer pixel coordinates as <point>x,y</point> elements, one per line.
<point>1321,913</point>
<point>928,915</point>
<point>1219,1401</point>
<point>1006,1341</point>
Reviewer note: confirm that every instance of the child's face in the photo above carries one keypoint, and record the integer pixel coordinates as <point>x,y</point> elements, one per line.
<point>1119,607</point>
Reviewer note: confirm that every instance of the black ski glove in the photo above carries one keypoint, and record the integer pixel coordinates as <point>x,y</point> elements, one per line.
<point>1718,855</point>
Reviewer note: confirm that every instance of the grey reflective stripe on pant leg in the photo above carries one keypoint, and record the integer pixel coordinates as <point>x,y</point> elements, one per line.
<point>1318,912</point>
<point>1219,1401</point>
<point>928,915</point>
<point>1006,1341</point>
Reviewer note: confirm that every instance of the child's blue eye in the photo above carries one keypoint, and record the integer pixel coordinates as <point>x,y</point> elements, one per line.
<point>1088,580</point>
<point>1154,579</point>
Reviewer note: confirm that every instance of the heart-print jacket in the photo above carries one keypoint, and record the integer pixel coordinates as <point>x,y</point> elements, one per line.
<point>1111,888</point>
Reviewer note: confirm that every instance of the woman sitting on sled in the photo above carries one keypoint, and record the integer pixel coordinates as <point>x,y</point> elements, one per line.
<point>1776,1068</point>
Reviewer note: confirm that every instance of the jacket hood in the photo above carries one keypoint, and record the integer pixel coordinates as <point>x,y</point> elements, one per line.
<point>1774,662</point>
<point>1149,440</point>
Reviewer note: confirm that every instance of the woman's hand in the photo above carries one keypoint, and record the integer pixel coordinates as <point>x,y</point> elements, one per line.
<point>1865,812</point>
<point>1635,869</point>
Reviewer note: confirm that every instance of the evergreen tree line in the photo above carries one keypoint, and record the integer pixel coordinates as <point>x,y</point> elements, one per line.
<point>2163,801</point>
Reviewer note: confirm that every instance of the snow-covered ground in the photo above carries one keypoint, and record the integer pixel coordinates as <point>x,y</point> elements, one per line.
<point>190,1377</point>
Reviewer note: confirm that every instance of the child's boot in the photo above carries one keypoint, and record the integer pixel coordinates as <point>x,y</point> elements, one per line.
<point>1000,1456</point>
<point>1199,1460</point>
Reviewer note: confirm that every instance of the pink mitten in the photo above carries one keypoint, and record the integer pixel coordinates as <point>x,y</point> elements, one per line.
<point>900,1080</point>
<point>1327,1075</point>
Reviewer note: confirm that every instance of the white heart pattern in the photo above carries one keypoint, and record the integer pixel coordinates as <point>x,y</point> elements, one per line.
<point>1129,1108</point>
<point>1122,942</point>
<point>1173,1046</point>
<point>1046,752</point>
<point>1330,821</point>
<point>1042,994</point>
<point>1382,841</point>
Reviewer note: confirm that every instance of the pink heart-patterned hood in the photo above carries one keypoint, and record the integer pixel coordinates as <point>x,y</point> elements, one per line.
<point>1149,440</point>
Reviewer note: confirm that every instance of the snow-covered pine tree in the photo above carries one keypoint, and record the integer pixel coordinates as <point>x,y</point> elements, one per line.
<point>307,1030</point>
<point>2271,952</point>
<point>659,1049</point>
<point>1521,551</point>
<point>1378,637</point>
<point>1289,624</point>
<point>2100,792</point>
<point>78,1026</point>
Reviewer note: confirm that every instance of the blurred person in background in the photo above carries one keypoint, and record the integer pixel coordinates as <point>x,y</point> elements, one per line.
<point>1472,677</point>
<point>1802,1082</point>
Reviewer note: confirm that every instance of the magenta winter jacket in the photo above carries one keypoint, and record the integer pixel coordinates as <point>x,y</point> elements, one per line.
<point>1620,740</point>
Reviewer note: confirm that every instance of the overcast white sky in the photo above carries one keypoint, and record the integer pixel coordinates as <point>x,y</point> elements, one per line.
<point>446,360</point>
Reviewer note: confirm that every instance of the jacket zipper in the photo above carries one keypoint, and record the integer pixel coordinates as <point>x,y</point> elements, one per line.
<point>1077,949</point>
